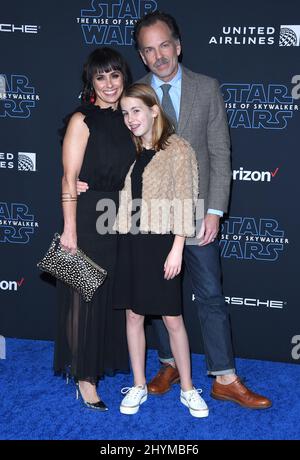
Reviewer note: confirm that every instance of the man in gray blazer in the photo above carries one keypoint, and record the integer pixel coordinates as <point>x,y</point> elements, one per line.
<point>194,103</point>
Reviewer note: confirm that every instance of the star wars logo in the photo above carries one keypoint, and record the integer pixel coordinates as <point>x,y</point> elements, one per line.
<point>17,225</point>
<point>17,96</point>
<point>112,22</point>
<point>252,238</point>
<point>255,105</point>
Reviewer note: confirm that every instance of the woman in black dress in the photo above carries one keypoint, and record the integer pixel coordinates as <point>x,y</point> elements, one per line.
<point>91,339</point>
<point>164,178</point>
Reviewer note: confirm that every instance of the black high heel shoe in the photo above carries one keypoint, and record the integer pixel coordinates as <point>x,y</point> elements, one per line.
<point>99,405</point>
<point>68,374</point>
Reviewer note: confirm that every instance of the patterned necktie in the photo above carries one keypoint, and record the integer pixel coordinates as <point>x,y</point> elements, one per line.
<point>167,105</point>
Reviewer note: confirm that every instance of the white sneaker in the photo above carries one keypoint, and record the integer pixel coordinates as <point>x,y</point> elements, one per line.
<point>135,396</point>
<point>192,399</point>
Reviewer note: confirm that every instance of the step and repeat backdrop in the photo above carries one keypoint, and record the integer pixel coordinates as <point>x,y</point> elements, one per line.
<point>253,49</point>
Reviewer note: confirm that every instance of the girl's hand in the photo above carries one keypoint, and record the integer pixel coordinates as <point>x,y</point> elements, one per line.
<point>81,187</point>
<point>172,266</point>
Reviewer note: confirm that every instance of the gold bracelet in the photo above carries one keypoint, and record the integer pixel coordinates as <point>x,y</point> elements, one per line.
<point>68,197</point>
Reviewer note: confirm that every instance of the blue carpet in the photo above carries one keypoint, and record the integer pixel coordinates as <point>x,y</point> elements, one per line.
<point>38,406</point>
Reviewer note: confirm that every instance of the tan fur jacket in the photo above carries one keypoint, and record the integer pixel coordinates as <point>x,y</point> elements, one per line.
<point>169,192</point>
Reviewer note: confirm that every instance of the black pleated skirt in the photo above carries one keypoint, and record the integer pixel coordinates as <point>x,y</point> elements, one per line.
<point>139,282</point>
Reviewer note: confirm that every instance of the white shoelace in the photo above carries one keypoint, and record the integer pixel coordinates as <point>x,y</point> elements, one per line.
<point>193,394</point>
<point>134,391</point>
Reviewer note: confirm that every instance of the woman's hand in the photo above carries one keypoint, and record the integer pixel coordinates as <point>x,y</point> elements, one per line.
<point>68,241</point>
<point>173,263</point>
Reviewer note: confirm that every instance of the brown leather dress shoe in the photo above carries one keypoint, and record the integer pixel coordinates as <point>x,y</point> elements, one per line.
<point>240,394</point>
<point>163,380</point>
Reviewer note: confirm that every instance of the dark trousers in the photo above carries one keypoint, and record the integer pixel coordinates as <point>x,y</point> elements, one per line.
<point>204,269</point>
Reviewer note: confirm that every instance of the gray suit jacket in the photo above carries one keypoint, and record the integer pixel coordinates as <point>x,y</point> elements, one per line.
<point>203,123</point>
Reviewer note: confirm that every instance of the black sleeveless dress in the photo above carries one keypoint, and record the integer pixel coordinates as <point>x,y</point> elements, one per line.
<point>91,339</point>
<point>139,282</point>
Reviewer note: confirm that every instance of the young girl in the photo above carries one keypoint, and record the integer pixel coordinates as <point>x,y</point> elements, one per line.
<point>164,178</point>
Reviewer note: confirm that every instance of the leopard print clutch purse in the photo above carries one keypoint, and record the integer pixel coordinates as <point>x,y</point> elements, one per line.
<point>76,270</point>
